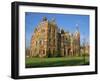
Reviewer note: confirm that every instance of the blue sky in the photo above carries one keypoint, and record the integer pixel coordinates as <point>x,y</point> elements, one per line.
<point>66,21</point>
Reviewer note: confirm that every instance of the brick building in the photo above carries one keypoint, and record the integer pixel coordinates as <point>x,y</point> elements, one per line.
<point>48,40</point>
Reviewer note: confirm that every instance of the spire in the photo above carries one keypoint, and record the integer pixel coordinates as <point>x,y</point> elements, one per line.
<point>53,19</point>
<point>77,33</point>
<point>77,28</point>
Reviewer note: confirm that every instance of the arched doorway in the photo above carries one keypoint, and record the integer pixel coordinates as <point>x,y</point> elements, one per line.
<point>69,51</point>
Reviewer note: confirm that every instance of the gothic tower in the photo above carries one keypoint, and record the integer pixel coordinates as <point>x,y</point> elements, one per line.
<point>77,41</point>
<point>52,38</point>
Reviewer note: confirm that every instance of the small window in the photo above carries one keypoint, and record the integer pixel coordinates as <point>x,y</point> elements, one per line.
<point>54,42</point>
<point>49,40</point>
<point>49,29</point>
<point>54,30</point>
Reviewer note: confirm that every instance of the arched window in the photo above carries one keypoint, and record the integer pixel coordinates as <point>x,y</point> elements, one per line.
<point>36,43</point>
<point>49,29</point>
<point>40,42</point>
<point>43,51</point>
<point>53,51</point>
<point>54,41</point>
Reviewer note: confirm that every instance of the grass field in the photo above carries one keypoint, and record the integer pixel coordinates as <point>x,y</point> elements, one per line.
<point>56,61</point>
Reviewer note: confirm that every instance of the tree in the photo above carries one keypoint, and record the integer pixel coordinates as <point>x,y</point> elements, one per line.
<point>84,43</point>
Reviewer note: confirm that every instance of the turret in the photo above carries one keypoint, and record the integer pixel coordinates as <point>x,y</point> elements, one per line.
<point>44,19</point>
<point>77,33</point>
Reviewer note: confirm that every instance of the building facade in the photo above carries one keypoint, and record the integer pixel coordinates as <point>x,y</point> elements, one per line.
<point>48,40</point>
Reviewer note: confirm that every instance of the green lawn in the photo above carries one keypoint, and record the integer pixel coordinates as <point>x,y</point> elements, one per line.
<point>56,61</point>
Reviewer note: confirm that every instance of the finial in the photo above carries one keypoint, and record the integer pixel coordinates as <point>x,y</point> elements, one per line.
<point>44,18</point>
<point>62,31</point>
